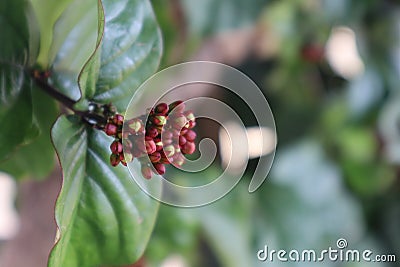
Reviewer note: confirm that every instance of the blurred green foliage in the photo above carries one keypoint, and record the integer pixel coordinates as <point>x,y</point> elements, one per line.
<point>336,173</point>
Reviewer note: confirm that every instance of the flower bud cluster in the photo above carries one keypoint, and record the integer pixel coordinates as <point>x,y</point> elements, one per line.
<point>164,138</point>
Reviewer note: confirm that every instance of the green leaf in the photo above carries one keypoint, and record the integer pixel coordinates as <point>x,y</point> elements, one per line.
<point>17,125</point>
<point>47,13</point>
<point>76,33</point>
<point>70,30</point>
<point>18,49</point>
<point>103,216</point>
<point>130,52</point>
<point>89,73</point>
<point>36,159</point>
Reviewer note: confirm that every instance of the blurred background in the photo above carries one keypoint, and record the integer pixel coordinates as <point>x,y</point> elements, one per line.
<point>330,72</point>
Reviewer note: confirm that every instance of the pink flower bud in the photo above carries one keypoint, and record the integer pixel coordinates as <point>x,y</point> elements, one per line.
<point>152,132</point>
<point>189,115</point>
<point>146,172</point>
<point>179,160</point>
<point>161,108</point>
<point>139,145</point>
<point>177,106</point>
<point>111,129</point>
<point>155,157</point>
<point>136,126</point>
<point>127,144</point>
<point>182,140</point>
<point>159,144</point>
<point>167,135</point>
<point>179,122</point>
<point>159,120</point>
<point>160,168</point>
<point>188,148</point>
<point>169,151</point>
<point>190,135</point>
<point>116,147</point>
<point>150,146</point>
<point>128,156</point>
<point>118,119</point>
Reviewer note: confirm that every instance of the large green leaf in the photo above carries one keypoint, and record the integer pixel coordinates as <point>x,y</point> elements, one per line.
<point>103,216</point>
<point>36,159</point>
<point>77,33</point>
<point>69,30</point>
<point>89,73</point>
<point>130,52</point>
<point>18,48</point>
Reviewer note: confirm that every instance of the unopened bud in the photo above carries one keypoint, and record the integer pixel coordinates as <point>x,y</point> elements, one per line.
<point>111,129</point>
<point>114,160</point>
<point>135,126</point>
<point>146,172</point>
<point>116,147</point>
<point>190,135</point>
<point>155,157</point>
<point>169,151</point>
<point>159,120</point>
<point>188,148</point>
<point>160,168</point>
<point>177,106</point>
<point>161,108</point>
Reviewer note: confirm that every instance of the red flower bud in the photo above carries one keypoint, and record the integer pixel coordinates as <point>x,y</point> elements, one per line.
<point>137,153</point>
<point>159,144</point>
<point>159,120</point>
<point>116,147</point>
<point>118,119</point>
<point>190,135</point>
<point>152,132</point>
<point>182,140</point>
<point>160,168</point>
<point>114,160</point>
<point>155,157</point>
<point>179,122</point>
<point>148,138</point>
<point>166,135</point>
<point>136,126</point>
<point>164,159</point>
<point>177,106</point>
<point>146,172</point>
<point>150,146</point>
<point>139,145</point>
<point>184,131</point>
<point>161,108</point>
<point>189,115</point>
<point>127,144</point>
<point>111,129</point>
<point>169,151</point>
<point>188,148</point>
<point>179,160</point>
<point>122,159</point>
<point>128,156</point>
<point>190,124</point>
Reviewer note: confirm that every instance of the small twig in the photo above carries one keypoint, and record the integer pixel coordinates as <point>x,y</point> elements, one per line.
<point>40,79</point>
<point>92,119</point>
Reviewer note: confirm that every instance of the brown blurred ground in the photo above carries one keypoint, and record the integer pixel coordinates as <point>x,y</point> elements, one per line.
<point>37,231</point>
